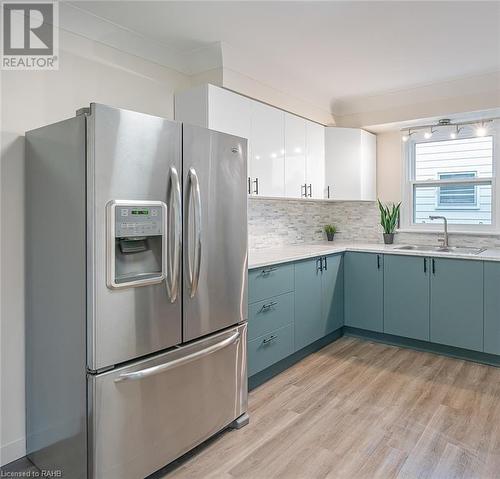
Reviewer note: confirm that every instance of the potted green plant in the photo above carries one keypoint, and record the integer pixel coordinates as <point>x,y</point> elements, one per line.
<point>389,216</point>
<point>330,231</point>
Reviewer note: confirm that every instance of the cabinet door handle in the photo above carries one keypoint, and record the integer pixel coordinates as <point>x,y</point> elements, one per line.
<point>378,261</point>
<point>433,266</point>
<point>425,265</point>
<point>270,339</point>
<point>310,190</point>
<point>303,190</point>
<point>268,306</point>
<point>249,185</point>
<point>328,191</point>
<point>319,265</point>
<point>326,264</point>
<point>267,271</point>
<point>256,190</point>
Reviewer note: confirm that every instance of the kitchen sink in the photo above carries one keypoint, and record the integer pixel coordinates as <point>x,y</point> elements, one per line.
<point>441,249</point>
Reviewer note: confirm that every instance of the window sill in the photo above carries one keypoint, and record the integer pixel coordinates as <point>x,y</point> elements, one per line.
<point>450,231</point>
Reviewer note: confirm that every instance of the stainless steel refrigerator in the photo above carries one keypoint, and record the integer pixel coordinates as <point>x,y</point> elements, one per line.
<point>136,297</point>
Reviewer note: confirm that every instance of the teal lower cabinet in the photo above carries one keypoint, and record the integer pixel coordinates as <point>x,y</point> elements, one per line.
<point>492,307</point>
<point>318,298</point>
<point>437,303</point>
<point>332,292</point>
<point>457,303</point>
<point>270,348</point>
<point>308,316</point>
<point>269,315</point>
<point>364,287</point>
<point>269,281</point>
<point>406,296</point>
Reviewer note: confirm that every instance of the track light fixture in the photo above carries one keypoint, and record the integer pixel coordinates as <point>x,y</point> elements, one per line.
<point>446,124</point>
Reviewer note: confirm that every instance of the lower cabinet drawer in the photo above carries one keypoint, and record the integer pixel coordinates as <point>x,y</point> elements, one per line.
<point>269,281</point>
<point>269,315</point>
<point>269,349</point>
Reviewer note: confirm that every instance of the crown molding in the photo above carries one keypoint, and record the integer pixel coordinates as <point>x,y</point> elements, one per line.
<point>81,22</point>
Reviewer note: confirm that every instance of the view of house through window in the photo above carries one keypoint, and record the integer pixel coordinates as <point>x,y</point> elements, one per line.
<point>453,178</point>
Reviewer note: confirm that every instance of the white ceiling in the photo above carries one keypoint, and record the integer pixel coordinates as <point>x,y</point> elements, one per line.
<point>338,50</point>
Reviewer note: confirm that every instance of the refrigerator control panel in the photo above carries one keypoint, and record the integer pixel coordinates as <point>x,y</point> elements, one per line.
<point>136,243</point>
<point>132,221</point>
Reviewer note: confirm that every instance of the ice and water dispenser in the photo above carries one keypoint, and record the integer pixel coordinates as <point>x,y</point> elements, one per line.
<point>136,243</point>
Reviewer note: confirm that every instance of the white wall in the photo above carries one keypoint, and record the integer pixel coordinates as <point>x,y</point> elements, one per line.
<point>89,72</point>
<point>389,166</point>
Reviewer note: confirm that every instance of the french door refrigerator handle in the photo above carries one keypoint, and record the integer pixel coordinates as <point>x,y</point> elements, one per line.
<point>194,195</point>
<point>174,205</point>
<point>161,368</point>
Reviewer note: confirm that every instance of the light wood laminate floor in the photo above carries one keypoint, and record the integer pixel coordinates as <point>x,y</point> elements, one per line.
<point>358,409</point>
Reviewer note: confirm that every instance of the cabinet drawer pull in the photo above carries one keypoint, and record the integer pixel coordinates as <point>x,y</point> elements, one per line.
<point>267,271</point>
<point>268,306</point>
<point>270,339</point>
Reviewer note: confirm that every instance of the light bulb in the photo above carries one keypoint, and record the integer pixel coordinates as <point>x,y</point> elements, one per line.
<point>481,131</point>
<point>453,135</point>
<point>257,157</point>
<point>427,135</point>
<point>273,155</point>
<point>405,138</point>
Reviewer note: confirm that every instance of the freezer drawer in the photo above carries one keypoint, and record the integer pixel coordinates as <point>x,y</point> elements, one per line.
<point>147,414</point>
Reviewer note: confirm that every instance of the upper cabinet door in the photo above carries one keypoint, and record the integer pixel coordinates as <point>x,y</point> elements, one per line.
<point>368,160</point>
<point>315,160</point>
<point>229,112</point>
<point>295,156</point>
<point>267,163</point>
<point>350,156</point>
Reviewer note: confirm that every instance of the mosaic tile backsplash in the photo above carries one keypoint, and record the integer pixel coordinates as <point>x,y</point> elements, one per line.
<point>276,222</point>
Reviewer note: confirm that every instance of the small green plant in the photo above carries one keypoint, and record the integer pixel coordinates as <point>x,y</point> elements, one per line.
<point>389,216</point>
<point>330,229</point>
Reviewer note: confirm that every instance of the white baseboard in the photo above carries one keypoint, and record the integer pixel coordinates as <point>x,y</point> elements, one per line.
<point>12,451</point>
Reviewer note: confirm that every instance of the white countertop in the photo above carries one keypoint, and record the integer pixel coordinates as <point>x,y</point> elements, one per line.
<point>284,254</point>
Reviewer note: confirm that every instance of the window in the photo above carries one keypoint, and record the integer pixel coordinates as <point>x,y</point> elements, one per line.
<point>452,178</point>
<point>458,196</point>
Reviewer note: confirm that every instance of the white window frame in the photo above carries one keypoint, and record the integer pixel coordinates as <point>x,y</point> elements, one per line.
<point>408,183</point>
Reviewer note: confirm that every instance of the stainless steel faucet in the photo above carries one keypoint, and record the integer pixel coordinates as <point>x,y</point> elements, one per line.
<point>444,240</point>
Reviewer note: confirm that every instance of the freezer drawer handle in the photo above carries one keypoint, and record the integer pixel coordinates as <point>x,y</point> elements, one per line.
<point>194,194</point>
<point>174,208</point>
<point>161,368</point>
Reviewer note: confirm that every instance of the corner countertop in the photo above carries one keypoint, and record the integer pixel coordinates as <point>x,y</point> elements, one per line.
<point>285,254</point>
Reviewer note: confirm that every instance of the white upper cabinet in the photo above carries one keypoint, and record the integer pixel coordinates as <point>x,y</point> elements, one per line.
<point>288,156</point>
<point>215,108</point>
<point>351,171</point>
<point>267,150</point>
<point>315,160</point>
<point>295,156</point>
<point>229,112</point>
